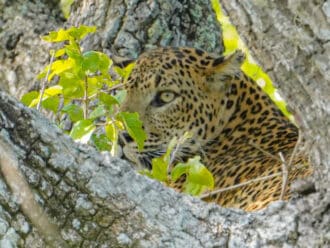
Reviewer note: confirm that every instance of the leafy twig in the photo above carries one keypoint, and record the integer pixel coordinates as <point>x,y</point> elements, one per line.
<point>86,99</point>
<point>94,95</point>
<point>43,85</point>
<point>116,87</point>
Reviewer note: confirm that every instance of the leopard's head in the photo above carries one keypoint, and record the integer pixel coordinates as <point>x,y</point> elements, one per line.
<point>175,90</point>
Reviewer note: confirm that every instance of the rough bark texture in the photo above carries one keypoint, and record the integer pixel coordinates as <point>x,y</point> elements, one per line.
<point>94,199</point>
<point>22,53</point>
<point>98,201</point>
<point>131,27</point>
<point>290,39</point>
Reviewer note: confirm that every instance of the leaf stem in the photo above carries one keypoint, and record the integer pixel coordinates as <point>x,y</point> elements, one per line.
<point>43,85</point>
<point>85,99</point>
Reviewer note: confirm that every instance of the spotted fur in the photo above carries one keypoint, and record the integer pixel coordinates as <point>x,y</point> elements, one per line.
<point>175,90</point>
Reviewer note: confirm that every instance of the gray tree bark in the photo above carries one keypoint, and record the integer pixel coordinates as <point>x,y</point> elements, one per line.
<point>87,199</point>
<point>290,39</point>
<point>22,53</point>
<point>131,27</point>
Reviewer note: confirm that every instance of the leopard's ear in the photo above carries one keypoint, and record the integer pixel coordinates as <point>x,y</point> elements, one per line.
<point>121,62</point>
<point>223,69</point>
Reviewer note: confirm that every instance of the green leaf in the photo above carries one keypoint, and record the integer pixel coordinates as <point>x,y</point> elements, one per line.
<point>109,82</point>
<point>95,61</point>
<point>160,165</point>
<point>101,142</point>
<point>94,85</point>
<point>60,66</point>
<point>29,97</point>
<point>120,96</point>
<point>59,53</point>
<point>56,36</point>
<point>159,168</point>
<point>198,177</point>
<point>53,90</point>
<point>80,32</point>
<point>49,92</point>
<point>69,34</point>
<point>199,174</point>
<point>90,61</point>
<point>179,170</point>
<point>73,51</point>
<point>124,72</point>
<point>72,85</point>
<point>107,99</point>
<point>35,101</point>
<point>66,7</point>
<point>82,130</point>
<point>133,125</point>
<point>98,112</point>
<point>193,188</point>
<point>74,111</point>
<point>51,103</point>
<point>111,131</point>
<point>146,172</point>
<point>104,63</point>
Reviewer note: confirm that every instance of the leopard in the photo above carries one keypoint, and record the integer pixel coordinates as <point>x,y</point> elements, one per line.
<point>235,127</point>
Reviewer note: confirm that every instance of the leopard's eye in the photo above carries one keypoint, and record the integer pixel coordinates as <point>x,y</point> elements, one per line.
<point>167,96</point>
<point>163,97</point>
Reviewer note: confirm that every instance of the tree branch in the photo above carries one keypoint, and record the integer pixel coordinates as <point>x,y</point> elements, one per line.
<point>94,198</point>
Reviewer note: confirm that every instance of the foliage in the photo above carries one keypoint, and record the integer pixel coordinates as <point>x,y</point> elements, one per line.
<point>197,177</point>
<point>233,42</point>
<point>65,6</point>
<point>78,86</point>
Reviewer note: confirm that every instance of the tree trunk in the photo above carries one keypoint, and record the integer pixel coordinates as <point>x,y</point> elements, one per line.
<point>131,27</point>
<point>290,39</point>
<point>87,199</point>
<point>22,53</point>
